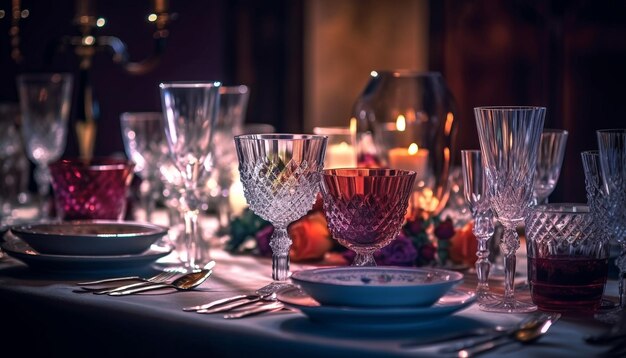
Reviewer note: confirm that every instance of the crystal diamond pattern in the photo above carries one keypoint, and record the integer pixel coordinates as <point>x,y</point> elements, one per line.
<point>278,192</point>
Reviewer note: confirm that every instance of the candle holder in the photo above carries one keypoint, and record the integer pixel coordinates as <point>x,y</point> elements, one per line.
<point>406,120</point>
<point>340,150</point>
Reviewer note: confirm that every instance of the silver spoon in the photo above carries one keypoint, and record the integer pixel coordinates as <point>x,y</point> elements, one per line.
<point>183,283</point>
<point>526,334</point>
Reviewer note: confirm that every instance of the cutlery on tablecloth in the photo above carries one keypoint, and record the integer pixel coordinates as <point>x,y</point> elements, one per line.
<point>527,331</point>
<point>265,291</point>
<point>268,307</point>
<point>183,283</point>
<point>118,279</point>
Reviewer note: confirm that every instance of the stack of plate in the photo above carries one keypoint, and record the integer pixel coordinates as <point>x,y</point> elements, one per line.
<point>86,245</point>
<point>373,297</point>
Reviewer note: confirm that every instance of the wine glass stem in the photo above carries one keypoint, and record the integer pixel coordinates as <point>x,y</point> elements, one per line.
<point>42,177</point>
<point>364,259</point>
<point>508,246</point>
<point>191,233</point>
<point>483,266</point>
<point>280,244</point>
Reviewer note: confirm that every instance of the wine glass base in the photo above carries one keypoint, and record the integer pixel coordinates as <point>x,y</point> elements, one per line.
<point>514,306</point>
<point>488,298</point>
<point>611,316</point>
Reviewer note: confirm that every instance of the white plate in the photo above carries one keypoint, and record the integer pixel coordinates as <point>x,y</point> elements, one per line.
<point>381,286</point>
<point>89,237</point>
<point>370,317</point>
<point>20,250</point>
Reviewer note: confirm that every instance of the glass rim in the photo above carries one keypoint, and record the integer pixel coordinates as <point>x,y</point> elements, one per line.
<point>590,152</point>
<point>611,131</point>
<point>44,76</point>
<point>190,84</point>
<point>279,137</point>
<point>509,108</point>
<point>344,172</point>
<point>405,72</point>
<point>238,89</point>
<point>95,163</point>
<point>562,208</point>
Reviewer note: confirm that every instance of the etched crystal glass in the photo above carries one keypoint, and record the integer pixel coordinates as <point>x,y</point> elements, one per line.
<point>365,208</point>
<point>549,162</point>
<point>509,140</point>
<point>612,154</point>
<point>146,145</point>
<point>190,111</point>
<point>567,258</point>
<point>280,174</point>
<point>597,197</point>
<point>476,196</point>
<point>45,105</point>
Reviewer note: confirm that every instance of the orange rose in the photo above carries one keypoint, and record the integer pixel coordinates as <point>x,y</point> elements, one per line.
<point>310,236</point>
<point>463,246</point>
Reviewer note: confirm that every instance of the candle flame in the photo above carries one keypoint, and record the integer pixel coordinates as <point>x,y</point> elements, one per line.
<point>413,148</point>
<point>401,123</point>
<point>449,120</point>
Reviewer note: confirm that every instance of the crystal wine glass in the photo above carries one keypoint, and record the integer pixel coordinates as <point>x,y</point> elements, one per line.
<point>280,175</point>
<point>509,140</point>
<point>612,154</point>
<point>365,208</point>
<point>232,112</point>
<point>190,110</point>
<point>45,105</point>
<point>146,145</point>
<point>476,196</point>
<point>549,162</point>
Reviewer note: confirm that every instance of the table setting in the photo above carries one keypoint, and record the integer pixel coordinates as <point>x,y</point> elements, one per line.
<point>84,250</point>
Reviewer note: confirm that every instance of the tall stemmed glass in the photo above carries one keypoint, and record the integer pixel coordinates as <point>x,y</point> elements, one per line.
<point>612,151</point>
<point>549,162</point>
<point>281,175</point>
<point>366,207</point>
<point>477,197</point>
<point>509,139</point>
<point>146,145</point>
<point>45,105</point>
<point>190,110</point>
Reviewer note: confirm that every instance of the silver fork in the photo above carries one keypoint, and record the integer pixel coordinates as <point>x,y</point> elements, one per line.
<point>117,279</point>
<point>161,277</point>
<point>267,292</point>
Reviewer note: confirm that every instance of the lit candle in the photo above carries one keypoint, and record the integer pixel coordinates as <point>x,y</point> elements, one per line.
<point>340,155</point>
<point>411,158</point>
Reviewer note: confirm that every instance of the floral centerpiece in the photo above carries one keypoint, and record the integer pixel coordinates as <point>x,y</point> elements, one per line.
<point>422,241</point>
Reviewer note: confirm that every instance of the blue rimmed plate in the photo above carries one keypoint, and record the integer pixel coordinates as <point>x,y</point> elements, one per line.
<point>376,317</point>
<point>381,286</point>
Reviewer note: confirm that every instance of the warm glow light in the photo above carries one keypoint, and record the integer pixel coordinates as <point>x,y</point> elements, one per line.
<point>100,22</point>
<point>448,126</point>
<point>401,123</point>
<point>25,13</point>
<point>413,148</point>
<point>374,74</point>
<point>89,40</point>
<point>152,17</point>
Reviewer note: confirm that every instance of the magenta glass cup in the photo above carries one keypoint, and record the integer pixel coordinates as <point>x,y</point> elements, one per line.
<point>94,189</point>
<point>365,208</point>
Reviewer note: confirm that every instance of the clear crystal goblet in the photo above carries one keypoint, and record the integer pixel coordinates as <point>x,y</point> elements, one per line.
<point>45,105</point>
<point>477,197</point>
<point>280,174</point>
<point>509,139</point>
<point>612,155</point>
<point>190,110</point>
<point>146,145</point>
<point>366,208</point>
<point>549,162</point>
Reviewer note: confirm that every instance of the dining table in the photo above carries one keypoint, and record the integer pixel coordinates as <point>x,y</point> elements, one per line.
<point>43,314</point>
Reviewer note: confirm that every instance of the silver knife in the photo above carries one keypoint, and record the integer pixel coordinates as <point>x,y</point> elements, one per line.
<point>269,307</point>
